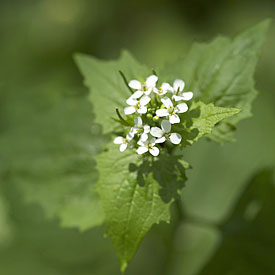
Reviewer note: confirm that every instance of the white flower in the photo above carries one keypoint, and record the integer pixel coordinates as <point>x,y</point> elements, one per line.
<point>140,129</point>
<point>161,134</point>
<point>171,110</point>
<point>143,88</point>
<point>148,146</point>
<point>123,141</point>
<point>177,91</point>
<point>137,105</point>
<point>164,88</point>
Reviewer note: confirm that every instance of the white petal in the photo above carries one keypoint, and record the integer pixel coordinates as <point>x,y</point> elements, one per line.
<point>141,150</point>
<point>135,84</point>
<point>156,90</point>
<point>141,143</point>
<point>162,112</point>
<point>129,110</point>
<point>118,140</point>
<point>187,95</point>
<point>131,101</point>
<point>166,126</point>
<point>156,132</point>
<point>151,81</point>
<point>154,151</point>
<point>182,108</point>
<point>130,135</point>
<point>160,140</point>
<point>145,100</point>
<point>174,119</point>
<point>137,94</point>
<point>178,85</point>
<point>166,87</point>
<point>160,92</point>
<point>133,131</point>
<point>142,110</point>
<point>143,137</point>
<point>177,98</point>
<point>153,141</point>
<point>148,92</point>
<point>138,122</point>
<point>175,138</point>
<point>123,147</point>
<point>167,102</point>
<point>146,129</point>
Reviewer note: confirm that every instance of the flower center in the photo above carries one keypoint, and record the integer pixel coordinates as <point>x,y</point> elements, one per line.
<point>172,110</point>
<point>137,106</point>
<point>150,146</point>
<point>140,131</point>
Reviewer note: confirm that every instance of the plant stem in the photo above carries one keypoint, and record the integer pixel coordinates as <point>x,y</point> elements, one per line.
<point>154,72</point>
<point>123,121</point>
<point>125,81</point>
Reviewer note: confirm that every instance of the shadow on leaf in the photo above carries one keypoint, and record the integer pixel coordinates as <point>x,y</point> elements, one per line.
<point>167,170</point>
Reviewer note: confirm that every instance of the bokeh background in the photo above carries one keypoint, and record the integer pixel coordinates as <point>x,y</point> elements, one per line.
<point>229,197</point>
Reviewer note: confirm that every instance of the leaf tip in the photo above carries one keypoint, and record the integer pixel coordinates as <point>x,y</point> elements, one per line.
<point>77,57</point>
<point>123,267</point>
<point>236,110</point>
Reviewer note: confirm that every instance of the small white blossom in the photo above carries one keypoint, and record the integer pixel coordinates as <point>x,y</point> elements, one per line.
<point>178,93</point>
<point>164,88</point>
<point>171,111</point>
<point>140,129</point>
<point>143,88</point>
<point>148,146</point>
<point>164,132</point>
<point>123,141</point>
<point>137,105</point>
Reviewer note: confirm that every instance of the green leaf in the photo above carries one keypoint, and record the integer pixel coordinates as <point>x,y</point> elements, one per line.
<point>40,246</point>
<point>136,195</point>
<point>108,89</point>
<point>221,72</point>
<point>53,160</point>
<point>201,119</point>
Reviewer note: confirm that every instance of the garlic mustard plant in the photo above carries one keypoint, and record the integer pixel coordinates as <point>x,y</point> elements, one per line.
<point>153,110</point>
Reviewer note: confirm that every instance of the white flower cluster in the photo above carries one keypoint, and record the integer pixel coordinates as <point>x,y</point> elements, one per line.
<point>150,103</point>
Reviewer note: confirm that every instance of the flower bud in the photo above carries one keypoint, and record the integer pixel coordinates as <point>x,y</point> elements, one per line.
<point>155,118</point>
<point>149,116</point>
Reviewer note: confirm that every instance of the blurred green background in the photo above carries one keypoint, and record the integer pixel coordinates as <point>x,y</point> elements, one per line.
<point>43,111</point>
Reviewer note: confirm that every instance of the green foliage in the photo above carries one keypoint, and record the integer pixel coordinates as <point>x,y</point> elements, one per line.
<point>135,195</point>
<point>221,76</point>
<point>40,246</point>
<point>107,87</point>
<point>201,119</point>
<point>39,152</point>
<point>221,72</point>
<point>54,167</point>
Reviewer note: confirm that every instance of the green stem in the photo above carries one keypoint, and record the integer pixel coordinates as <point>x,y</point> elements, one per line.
<point>123,121</point>
<point>125,81</point>
<point>154,72</point>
